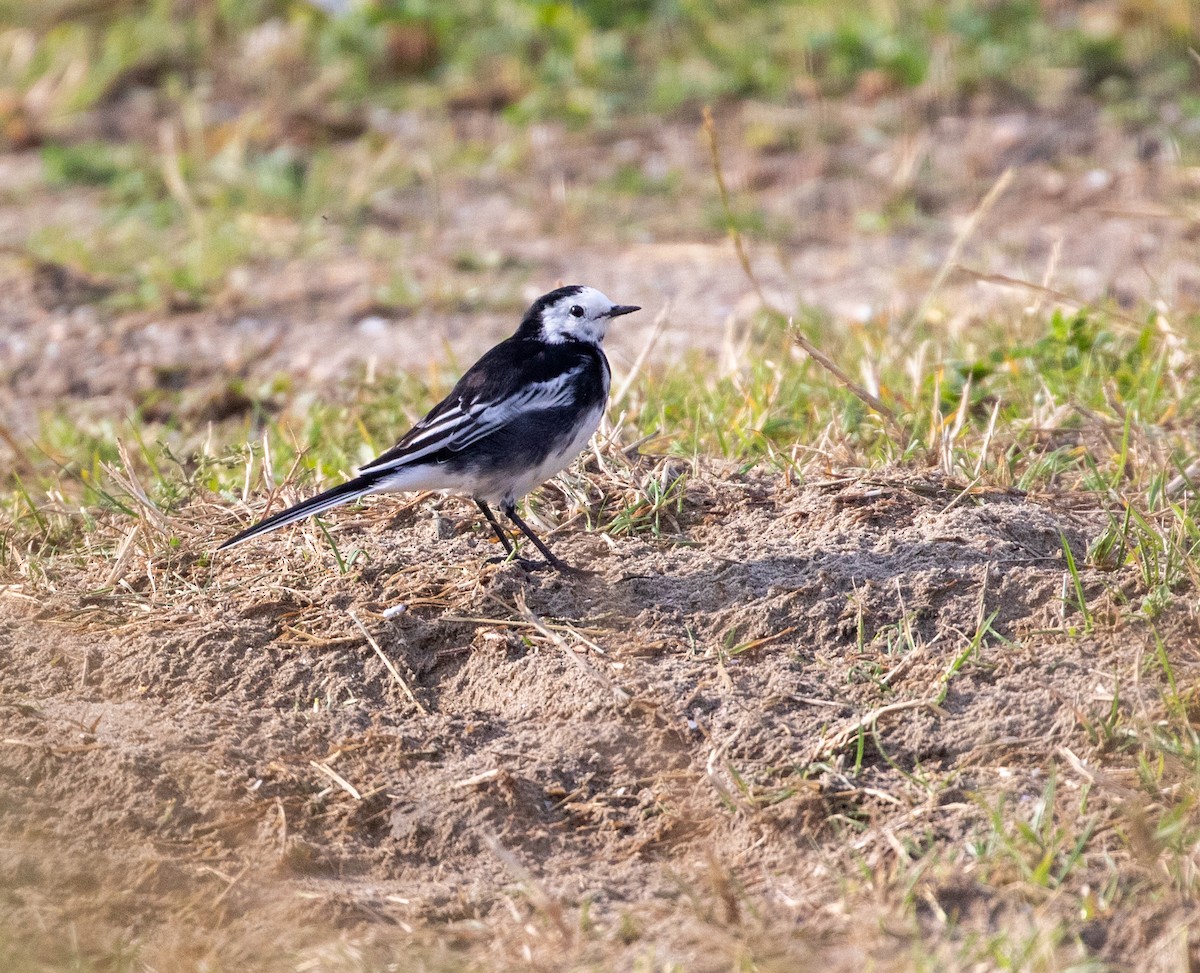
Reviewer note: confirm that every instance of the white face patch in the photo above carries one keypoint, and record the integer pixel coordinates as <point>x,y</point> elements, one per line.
<point>559,324</point>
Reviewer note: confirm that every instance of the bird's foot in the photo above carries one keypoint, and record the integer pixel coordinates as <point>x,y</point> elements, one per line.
<point>523,562</point>
<point>556,565</point>
<point>571,572</point>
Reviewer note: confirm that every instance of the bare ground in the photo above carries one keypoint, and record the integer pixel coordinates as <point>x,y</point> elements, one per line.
<point>724,735</point>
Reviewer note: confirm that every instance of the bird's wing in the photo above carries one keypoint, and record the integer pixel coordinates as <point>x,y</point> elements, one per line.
<point>482,402</point>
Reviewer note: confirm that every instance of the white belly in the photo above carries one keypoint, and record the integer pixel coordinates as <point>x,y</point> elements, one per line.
<point>513,488</point>
<point>502,488</point>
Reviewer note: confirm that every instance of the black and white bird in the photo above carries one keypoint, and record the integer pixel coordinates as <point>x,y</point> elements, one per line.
<point>516,418</point>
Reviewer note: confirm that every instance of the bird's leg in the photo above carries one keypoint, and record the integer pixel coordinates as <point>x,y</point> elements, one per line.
<point>510,511</point>
<point>509,549</point>
<point>491,519</point>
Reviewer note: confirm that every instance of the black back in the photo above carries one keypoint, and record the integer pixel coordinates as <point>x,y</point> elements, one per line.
<point>501,373</point>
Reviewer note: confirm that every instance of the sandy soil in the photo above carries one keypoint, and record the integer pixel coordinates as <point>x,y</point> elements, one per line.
<point>671,762</point>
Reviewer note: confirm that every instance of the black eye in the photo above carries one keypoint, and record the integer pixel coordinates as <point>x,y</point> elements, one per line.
<point>576,311</point>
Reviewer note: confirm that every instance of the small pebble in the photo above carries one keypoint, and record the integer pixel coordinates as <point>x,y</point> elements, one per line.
<point>1097,180</point>
<point>373,326</point>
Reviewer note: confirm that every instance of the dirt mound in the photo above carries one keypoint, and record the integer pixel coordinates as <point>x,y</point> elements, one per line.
<point>541,764</point>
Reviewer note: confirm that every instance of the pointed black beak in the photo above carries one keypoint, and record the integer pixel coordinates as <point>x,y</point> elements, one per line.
<point>618,309</point>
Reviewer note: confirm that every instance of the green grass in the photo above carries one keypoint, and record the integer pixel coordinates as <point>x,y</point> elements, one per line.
<point>589,61</point>
<point>176,218</point>
<point>1068,405</point>
<point>256,112</point>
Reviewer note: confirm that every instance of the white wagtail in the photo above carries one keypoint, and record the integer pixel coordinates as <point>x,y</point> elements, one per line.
<point>516,418</point>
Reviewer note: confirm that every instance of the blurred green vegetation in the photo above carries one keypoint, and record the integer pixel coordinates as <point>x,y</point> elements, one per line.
<point>586,60</point>
<point>217,131</point>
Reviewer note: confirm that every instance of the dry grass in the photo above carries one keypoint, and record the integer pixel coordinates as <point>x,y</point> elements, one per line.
<point>1040,867</point>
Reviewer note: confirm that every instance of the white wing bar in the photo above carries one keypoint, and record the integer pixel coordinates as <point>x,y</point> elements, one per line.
<point>459,427</point>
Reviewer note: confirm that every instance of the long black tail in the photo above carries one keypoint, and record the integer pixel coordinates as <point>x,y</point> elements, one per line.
<point>360,486</point>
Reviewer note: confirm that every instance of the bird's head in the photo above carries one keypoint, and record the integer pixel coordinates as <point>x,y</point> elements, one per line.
<point>574,313</point>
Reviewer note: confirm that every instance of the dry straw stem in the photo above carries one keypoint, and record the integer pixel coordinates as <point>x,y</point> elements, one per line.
<point>124,554</point>
<point>960,241</point>
<point>849,730</point>
<point>172,172</point>
<point>127,480</point>
<point>24,461</point>
<point>716,759</point>
<point>474,781</point>
<point>541,900</point>
<point>621,695</point>
<point>230,882</point>
<point>872,401</point>
<point>337,778</point>
<point>1043,291</point>
<point>635,369</point>
<point>537,625</point>
<point>390,666</point>
<point>1184,481</point>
